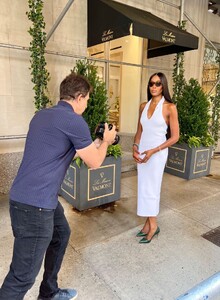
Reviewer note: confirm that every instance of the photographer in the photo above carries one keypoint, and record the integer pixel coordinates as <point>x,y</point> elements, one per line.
<point>39,226</point>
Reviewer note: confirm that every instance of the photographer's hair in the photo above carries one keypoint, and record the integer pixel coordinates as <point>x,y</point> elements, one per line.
<point>74,85</point>
<point>165,91</point>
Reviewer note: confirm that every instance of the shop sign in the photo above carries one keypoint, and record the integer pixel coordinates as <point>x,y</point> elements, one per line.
<point>107,35</point>
<point>201,160</point>
<point>101,182</point>
<point>177,159</point>
<point>168,37</point>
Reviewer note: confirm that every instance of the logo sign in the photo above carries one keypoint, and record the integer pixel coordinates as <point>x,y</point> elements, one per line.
<point>168,37</point>
<point>107,35</point>
<point>69,182</point>
<point>201,161</point>
<point>101,182</point>
<point>177,159</point>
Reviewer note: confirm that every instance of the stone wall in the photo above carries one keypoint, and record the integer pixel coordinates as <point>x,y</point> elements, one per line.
<point>9,164</point>
<point>16,94</point>
<point>126,141</point>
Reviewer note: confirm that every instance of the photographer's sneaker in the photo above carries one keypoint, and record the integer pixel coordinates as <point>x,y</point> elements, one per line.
<point>62,294</point>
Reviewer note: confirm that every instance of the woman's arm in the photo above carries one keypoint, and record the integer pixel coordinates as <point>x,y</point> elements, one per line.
<point>137,136</point>
<point>174,127</point>
<point>172,117</point>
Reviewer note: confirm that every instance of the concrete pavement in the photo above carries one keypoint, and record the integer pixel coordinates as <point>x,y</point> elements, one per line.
<point>104,260</point>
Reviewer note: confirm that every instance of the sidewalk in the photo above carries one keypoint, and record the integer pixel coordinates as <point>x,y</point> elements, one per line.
<point>104,260</point>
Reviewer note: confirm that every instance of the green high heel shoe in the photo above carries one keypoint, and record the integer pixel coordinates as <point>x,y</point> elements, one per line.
<point>141,233</point>
<point>146,241</point>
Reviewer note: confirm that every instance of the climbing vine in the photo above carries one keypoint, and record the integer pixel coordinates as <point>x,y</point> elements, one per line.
<point>39,73</point>
<point>215,103</point>
<point>178,71</point>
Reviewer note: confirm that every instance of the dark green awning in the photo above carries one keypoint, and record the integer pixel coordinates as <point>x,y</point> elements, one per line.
<point>109,20</point>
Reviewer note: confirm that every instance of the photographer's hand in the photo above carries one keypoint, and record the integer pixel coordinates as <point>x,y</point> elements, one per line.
<point>97,142</point>
<point>109,135</point>
<point>94,154</point>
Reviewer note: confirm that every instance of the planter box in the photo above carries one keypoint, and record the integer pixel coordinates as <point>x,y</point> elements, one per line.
<point>188,163</point>
<point>85,188</point>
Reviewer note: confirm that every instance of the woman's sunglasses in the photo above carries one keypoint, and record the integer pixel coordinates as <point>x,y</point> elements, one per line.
<point>157,83</point>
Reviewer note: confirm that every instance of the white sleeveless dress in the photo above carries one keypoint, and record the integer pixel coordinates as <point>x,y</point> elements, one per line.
<point>150,173</point>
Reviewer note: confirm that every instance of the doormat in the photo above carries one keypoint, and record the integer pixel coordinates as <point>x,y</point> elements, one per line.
<point>213,236</point>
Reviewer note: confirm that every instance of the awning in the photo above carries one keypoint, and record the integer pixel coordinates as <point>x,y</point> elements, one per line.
<point>109,20</point>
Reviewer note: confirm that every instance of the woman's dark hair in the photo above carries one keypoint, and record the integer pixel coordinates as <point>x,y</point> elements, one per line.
<point>165,91</point>
<point>74,85</point>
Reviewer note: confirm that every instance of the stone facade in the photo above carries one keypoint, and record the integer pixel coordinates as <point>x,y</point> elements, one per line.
<point>68,43</point>
<point>9,164</point>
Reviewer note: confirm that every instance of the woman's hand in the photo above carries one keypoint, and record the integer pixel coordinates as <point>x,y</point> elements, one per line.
<point>147,154</point>
<point>136,156</point>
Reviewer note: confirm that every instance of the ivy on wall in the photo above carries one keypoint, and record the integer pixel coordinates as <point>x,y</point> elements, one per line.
<point>215,102</point>
<point>39,73</point>
<point>178,71</point>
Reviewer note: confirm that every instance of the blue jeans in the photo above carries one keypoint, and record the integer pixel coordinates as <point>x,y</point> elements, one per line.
<point>37,232</point>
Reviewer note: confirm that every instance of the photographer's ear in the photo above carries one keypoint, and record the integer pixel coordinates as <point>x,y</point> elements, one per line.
<point>78,98</point>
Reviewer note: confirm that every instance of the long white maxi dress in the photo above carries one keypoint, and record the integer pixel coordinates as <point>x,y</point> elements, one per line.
<point>150,173</point>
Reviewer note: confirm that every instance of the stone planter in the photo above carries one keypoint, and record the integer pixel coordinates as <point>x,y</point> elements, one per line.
<point>188,163</point>
<point>85,188</point>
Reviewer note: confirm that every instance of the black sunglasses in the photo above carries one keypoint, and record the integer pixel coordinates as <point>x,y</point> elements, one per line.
<point>157,83</point>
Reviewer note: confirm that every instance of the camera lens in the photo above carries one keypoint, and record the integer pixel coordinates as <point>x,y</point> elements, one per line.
<point>99,131</point>
<point>117,139</point>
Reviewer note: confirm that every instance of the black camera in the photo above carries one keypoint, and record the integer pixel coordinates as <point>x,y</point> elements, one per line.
<point>99,131</point>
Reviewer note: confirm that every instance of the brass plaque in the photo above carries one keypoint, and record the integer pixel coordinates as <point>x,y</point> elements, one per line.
<point>201,161</point>
<point>177,159</point>
<point>69,182</point>
<point>101,182</point>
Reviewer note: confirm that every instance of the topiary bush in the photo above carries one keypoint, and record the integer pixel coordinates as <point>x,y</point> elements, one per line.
<point>98,108</point>
<point>193,111</point>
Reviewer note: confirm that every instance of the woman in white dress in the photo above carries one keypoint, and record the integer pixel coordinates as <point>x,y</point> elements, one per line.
<point>150,150</point>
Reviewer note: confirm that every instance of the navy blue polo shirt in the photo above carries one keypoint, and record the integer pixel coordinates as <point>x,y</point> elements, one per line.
<point>53,137</point>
